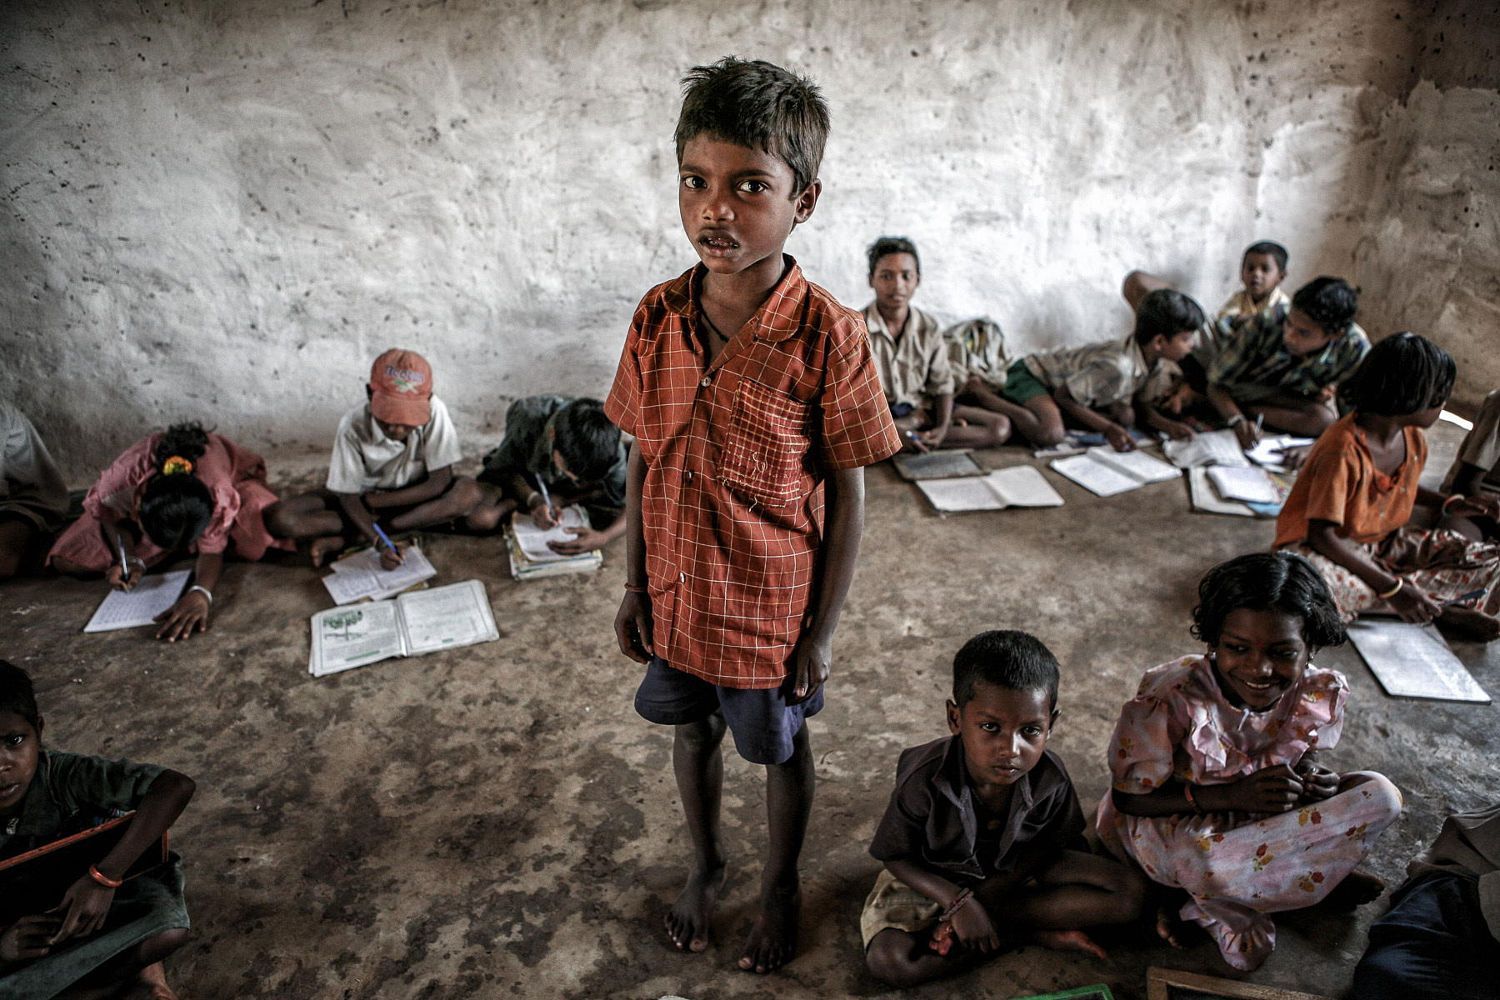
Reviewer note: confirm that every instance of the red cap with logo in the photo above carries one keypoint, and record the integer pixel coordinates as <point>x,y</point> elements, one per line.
<point>401,388</point>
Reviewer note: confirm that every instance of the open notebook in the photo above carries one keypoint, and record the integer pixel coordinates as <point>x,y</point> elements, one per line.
<point>530,552</point>
<point>1104,471</point>
<point>422,621</point>
<point>360,578</point>
<point>1017,486</point>
<point>141,604</point>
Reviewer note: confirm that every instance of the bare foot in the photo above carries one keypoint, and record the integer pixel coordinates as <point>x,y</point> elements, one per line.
<point>319,549</point>
<point>1470,624</point>
<point>689,918</point>
<point>1068,941</point>
<point>153,978</point>
<point>1357,889</point>
<point>773,936</point>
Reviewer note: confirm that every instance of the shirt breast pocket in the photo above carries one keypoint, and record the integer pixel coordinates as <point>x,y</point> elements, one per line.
<point>765,450</point>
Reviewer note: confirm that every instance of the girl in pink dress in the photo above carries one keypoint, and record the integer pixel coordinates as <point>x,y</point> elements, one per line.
<point>181,490</point>
<point>1219,789</point>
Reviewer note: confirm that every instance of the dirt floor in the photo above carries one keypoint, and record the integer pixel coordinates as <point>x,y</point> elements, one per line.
<point>496,821</point>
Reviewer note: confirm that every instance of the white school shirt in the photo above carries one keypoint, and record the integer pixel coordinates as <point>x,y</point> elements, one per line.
<point>30,484</point>
<point>364,459</point>
<point>1096,375</point>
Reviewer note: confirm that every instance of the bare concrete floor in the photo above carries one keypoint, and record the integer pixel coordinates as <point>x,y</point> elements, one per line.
<point>496,821</point>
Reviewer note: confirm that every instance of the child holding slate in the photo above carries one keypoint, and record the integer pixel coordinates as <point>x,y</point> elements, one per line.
<point>104,932</point>
<point>1219,789</point>
<point>1351,507</point>
<point>182,490</point>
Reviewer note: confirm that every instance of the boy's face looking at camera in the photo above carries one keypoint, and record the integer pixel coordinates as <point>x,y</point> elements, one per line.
<point>1261,274</point>
<point>1259,656</point>
<point>19,745</point>
<point>738,204</point>
<point>1004,732</point>
<point>895,279</point>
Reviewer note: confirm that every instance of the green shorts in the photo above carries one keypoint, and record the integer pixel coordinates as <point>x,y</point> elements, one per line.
<point>1021,385</point>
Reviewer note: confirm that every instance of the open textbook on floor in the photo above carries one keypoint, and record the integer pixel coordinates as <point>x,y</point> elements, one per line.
<point>359,577</point>
<point>422,621</point>
<point>1104,471</point>
<point>1017,486</point>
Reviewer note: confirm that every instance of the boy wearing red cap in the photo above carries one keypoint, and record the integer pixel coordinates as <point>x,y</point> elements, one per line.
<point>392,462</point>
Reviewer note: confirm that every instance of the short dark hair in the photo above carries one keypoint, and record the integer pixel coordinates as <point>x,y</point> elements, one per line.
<point>1007,658</point>
<point>1274,249</point>
<point>887,245</point>
<point>17,694</point>
<point>176,505</point>
<point>1165,313</point>
<point>1268,581</point>
<point>757,105</point>
<point>588,442</point>
<point>1329,302</point>
<point>1402,374</point>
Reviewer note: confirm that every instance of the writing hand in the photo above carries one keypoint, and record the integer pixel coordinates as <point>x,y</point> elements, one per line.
<point>115,576</point>
<point>633,627</point>
<point>1247,434</point>
<point>544,515</point>
<point>86,904</point>
<point>188,615</point>
<point>912,441</point>
<point>811,663</point>
<point>1179,430</point>
<point>1411,605</point>
<point>1119,438</point>
<point>583,540</point>
<point>391,557</point>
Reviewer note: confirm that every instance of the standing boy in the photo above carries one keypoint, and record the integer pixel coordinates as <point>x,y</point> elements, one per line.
<point>754,404</point>
<point>392,460</point>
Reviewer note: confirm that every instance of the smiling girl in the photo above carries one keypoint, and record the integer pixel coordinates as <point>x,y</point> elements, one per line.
<point>1217,788</point>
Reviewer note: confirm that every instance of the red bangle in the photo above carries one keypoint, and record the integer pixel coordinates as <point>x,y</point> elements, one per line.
<point>103,879</point>
<point>1187,791</point>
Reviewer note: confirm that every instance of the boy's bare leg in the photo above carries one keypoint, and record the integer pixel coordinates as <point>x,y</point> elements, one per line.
<point>974,427</point>
<point>1139,284</point>
<point>699,768</point>
<point>789,798</point>
<point>455,502</point>
<point>308,518</point>
<point>903,958</point>
<point>1079,890</point>
<point>493,507</point>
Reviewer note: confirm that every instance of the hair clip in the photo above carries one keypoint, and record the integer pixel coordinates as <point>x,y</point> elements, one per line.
<point>176,465</point>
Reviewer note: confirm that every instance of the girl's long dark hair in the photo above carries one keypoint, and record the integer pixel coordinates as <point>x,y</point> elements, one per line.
<point>176,505</point>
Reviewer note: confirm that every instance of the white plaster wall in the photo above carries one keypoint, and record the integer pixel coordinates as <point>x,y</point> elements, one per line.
<point>224,209</point>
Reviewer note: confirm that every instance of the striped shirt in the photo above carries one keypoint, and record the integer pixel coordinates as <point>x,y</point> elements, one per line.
<point>736,453</point>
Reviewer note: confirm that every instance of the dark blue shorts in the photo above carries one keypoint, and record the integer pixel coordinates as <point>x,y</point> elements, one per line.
<point>762,723</point>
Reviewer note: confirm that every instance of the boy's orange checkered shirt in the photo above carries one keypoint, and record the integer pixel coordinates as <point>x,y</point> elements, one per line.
<point>736,454</point>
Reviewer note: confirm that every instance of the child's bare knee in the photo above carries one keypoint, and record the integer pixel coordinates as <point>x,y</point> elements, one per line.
<point>465,493</point>
<point>1047,436</point>
<point>888,960</point>
<point>701,735</point>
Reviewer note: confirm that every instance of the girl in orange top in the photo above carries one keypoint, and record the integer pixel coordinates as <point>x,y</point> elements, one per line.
<point>1349,509</point>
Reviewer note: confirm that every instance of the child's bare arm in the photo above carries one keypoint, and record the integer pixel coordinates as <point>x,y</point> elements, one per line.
<point>190,612</point>
<point>1117,436</point>
<point>845,504</point>
<point>87,900</point>
<point>435,485</point>
<point>1409,601</point>
<point>942,419</point>
<point>971,922</point>
<point>355,511</point>
<point>633,620</point>
<point>1159,421</point>
<point>1269,790</point>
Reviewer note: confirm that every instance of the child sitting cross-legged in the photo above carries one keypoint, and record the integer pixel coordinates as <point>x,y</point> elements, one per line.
<point>393,459</point>
<point>983,838</point>
<point>1219,789</point>
<point>1350,510</point>
<point>107,934</point>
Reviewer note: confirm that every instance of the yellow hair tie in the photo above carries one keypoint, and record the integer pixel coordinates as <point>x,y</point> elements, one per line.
<point>176,464</point>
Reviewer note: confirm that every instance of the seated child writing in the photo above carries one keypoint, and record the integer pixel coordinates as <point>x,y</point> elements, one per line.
<point>1261,270</point>
<point>33,496</point>
<point>1280,367</point>
<point>557,451</point>
<point>1219,786</point>
<point>1098,387</point>
<point>182,490</point>
<point>1476,470</point>
<point>983,838</point>
<point>1350,509</point>
<point>912,358</point>
<point>107,933</point>
<point>392,461</point>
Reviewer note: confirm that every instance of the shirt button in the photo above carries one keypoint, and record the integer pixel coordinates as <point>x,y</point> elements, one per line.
<point>682,578</point>
<point>704,383</point>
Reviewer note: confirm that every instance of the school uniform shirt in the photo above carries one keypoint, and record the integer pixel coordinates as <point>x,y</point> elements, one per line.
<point>1339,483</point>
<point>976,349</point>
<point>1096,375</point>
<point>736,453</point>
<point>1240,303</point>
<point>933,816</point>
<point>71,792</point>
<point>525,449</point>
<point>364,459</point>
<point>1253,361</point>
<point>914,367</point>
<point>1481,446</point>
<point>30,485</point>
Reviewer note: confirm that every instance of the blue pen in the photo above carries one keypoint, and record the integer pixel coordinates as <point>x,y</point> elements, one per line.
<point>384,538</point>
<point>546,497</point>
